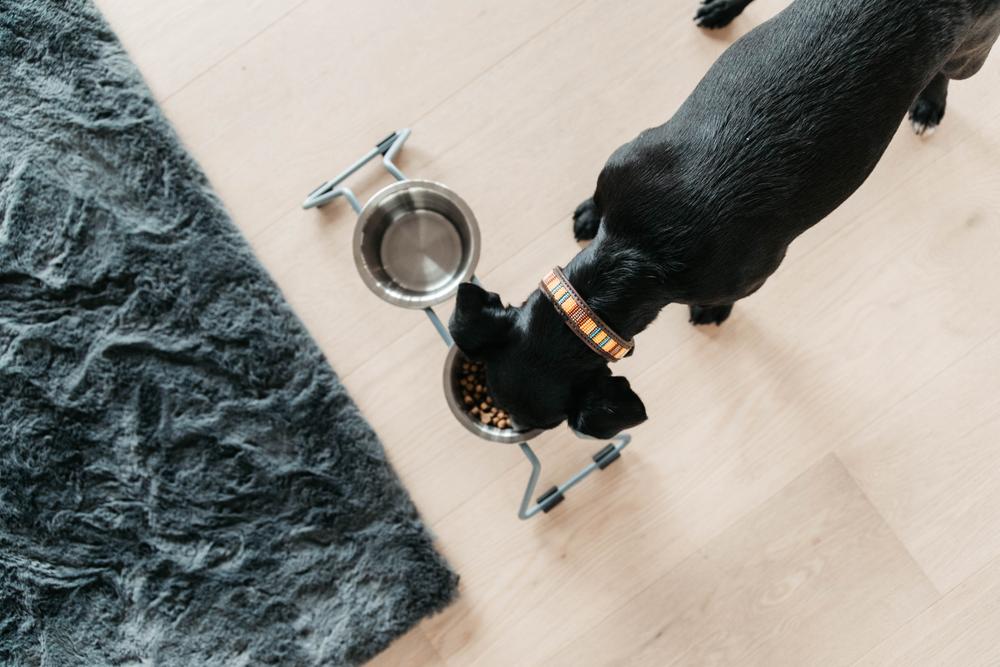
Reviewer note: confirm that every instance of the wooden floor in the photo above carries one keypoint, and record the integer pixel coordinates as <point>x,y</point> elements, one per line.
<point>819,482</point>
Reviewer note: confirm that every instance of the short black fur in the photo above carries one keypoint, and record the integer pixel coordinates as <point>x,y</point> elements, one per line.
<point>783,128</point>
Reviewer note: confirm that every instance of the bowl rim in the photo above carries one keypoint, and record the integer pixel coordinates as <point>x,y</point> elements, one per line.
<point>427,300</point>
<point>491,433</point>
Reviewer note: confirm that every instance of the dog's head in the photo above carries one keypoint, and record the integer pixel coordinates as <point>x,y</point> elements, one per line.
<point>537,370</point>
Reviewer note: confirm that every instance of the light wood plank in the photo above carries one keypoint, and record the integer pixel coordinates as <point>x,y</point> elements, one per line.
<point>528,587</point>
<point>811,577</point>
<point>931,464</point>
<point>410,650</point>
<point>174,42</point>
<point>961,629</point>
<point>318,89</point>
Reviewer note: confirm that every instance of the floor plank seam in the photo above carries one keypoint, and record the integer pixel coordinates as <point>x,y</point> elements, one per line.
<point>427,639</point>
<point>229,54</point>
<point>942,598</point>
<point>913,391</point>
<point>489,68</point>
<point>699,548</point>
<point>878,512</point>
<point>437,154</point>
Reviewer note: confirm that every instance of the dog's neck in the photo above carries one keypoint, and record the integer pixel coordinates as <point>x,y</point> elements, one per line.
<point>620,283</point>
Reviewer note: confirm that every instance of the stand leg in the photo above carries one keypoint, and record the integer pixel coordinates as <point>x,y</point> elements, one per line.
<point>601,460</point>
<point>439,325</point>
<point>387,148</point>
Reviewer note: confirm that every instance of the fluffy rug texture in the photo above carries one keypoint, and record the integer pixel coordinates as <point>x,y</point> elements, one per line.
<point>183,479</point>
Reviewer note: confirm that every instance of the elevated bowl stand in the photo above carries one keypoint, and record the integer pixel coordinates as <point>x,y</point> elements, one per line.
<point>388,148</point>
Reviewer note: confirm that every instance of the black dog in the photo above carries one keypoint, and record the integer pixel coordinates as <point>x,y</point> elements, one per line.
<point>785,126</point>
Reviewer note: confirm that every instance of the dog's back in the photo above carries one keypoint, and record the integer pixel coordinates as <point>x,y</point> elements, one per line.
<point>785,126</point>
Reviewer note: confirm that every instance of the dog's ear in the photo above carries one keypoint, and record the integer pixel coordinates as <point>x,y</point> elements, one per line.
<point>481,324</point>
<point>605,407</point>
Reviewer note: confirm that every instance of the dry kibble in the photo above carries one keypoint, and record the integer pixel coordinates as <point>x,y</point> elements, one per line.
<point>476,397</point>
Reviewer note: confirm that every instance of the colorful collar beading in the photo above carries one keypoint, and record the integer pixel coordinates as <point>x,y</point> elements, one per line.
<point>581,319</point>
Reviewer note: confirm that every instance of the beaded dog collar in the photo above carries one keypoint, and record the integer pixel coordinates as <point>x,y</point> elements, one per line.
<point>581,319</point>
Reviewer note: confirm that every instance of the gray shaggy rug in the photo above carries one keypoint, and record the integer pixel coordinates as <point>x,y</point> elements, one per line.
<point>183,479</point>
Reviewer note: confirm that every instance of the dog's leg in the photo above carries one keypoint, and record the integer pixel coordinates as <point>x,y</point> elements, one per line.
<point>710,314</point>
<point>928,109</point>
<point>586,220</point>
<point>719,13</point>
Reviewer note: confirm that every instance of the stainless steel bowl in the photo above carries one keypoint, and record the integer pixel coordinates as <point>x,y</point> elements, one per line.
<point>415,241</point>
<point>453,395</point>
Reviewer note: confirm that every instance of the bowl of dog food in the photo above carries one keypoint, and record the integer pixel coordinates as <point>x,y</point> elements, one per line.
<point>469,398</point>
<point>415,242</point>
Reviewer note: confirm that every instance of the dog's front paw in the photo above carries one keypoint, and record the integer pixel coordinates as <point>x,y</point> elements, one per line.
<point>717,13</point>
<point>586,221</point>
<point>701,315</point>
<point>925,116</point>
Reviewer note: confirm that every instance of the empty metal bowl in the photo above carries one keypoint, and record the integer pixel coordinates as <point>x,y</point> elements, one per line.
<point>453,395</point>
<point>415,241</point>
